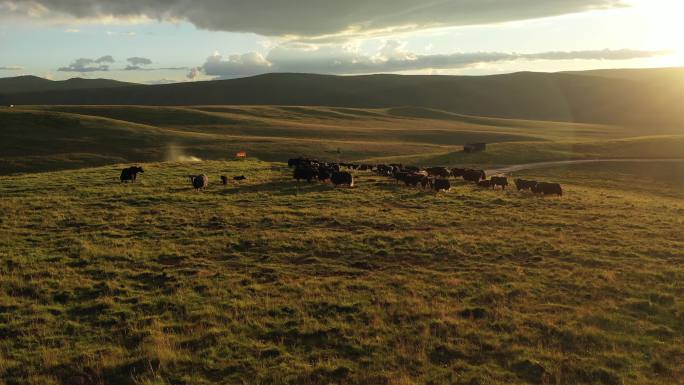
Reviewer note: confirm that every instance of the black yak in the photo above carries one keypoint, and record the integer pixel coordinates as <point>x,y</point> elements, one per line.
<point>441,184</point>
<point>199,181</point>
<point>414,179</point>
<point>474,175</point>
<point>544,188</point>
<point>342,178</point>
<point>304,173</point>
<point>438,171</point>
<point>458,172</point>
<point>522,184</point>
<point>130,174</point>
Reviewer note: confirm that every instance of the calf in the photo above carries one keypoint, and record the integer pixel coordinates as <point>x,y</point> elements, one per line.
<point>224,180</point>
<point>499,181</point>
<point>485,183</point>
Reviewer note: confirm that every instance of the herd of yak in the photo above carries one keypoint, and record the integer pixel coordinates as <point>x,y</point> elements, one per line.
<point>434,178</point>
<point>199,182</point>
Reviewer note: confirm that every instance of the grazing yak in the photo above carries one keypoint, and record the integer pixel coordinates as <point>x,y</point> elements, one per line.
<point>324,173</point>
<point>224,180</point>
<point>474,175</point>
<point>304,173</point>
<point>499,181</point>
<point>130,174</point>
<point>302,162</point>
<point>544,188</point>
<point>342,178</point>
<point>458,172</point>
<point>383,169</point>
<point>485,183</point>
<point>415,178</point>
<point>441,184</point>
<point>438,171</point>
<point>199,181</point>
<point>400,176</point>
<point>522,184</point>
<point>239,178</point>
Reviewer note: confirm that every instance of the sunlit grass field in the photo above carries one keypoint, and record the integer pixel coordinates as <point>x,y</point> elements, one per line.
<point>271,282</point>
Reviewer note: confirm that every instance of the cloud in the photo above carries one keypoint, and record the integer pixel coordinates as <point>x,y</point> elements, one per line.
<point>105,59</point>
<point>11,68</point>
<point>195,73</point>
<point>235,65</point>
<point>139,61</point>
<point>308,18</point>
<point>391,57</point>
<point>84,65</point>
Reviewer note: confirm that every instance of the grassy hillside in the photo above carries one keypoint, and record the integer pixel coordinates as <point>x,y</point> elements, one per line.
<point>536,96</point>
<point>59,137</point>
<point>273,283</point>
<point>673,75</point>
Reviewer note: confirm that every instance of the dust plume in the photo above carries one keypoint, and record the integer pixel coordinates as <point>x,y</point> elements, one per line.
<point>176,154</point>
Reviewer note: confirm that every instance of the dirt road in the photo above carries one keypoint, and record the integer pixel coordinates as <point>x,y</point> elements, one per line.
<point>529,166</point>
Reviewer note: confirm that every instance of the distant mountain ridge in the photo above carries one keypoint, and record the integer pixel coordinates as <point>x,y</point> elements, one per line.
<point>591,97</point>
<point>29,83</point>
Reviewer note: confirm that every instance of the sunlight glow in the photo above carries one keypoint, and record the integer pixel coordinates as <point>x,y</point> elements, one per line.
<point>663,28</point>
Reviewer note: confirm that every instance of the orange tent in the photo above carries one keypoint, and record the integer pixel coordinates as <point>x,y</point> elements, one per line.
<point>241,154</point>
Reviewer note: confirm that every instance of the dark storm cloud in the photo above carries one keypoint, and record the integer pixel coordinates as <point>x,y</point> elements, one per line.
<point>311,17</point>
<point>390,58</point>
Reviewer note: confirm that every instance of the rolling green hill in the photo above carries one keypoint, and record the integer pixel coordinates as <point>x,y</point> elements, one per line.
<point>59,137</point>
<point>534,96</point>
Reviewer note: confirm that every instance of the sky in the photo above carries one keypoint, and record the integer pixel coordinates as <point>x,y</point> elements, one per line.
<point>162,41</point>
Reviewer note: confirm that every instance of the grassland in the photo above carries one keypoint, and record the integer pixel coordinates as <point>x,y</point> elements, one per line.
<point>63,137</point>
<point>271,282</point>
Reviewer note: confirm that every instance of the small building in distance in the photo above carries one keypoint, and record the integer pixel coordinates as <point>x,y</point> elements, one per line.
<point>474,147</point>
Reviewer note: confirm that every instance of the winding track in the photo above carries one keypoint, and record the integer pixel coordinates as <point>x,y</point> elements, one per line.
<point>505,170</point>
